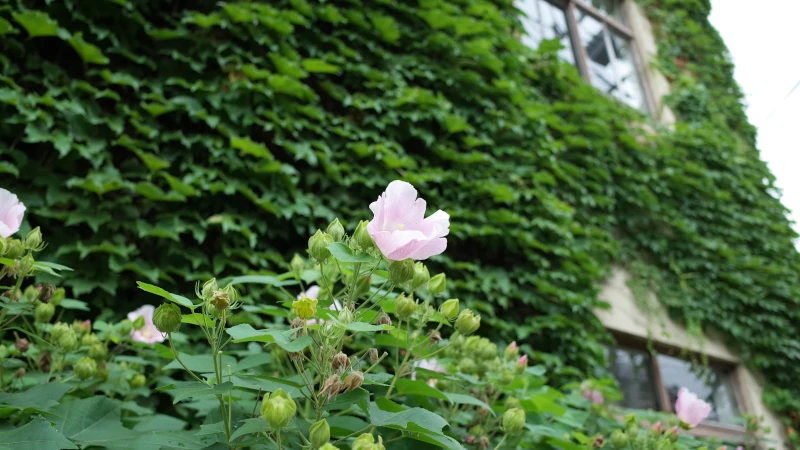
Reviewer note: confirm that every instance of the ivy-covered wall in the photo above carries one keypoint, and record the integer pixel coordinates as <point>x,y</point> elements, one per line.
<point>170,140</point>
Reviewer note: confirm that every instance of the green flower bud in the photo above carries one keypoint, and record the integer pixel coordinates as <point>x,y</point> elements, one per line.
<point>320,434</point>
<point>514,421</point>
<point>632,425</point>
<point>138,323</point>
<point>305,307</point>
<point>468,366</point>
<point>102,371</point>
<point>167,318</point>
<point>487,350</point>
<point>209,287</point>
<point>367,442</point>
<point>33,241</point>
<point>329,447</point>
<point>335,230</point>
<point>297,264</point>
<point>138,381</point>
<point>90,339</point>
<point>437,284</point>
<point>98,352</point>
<point>58,330</point>
<point>44,312</point>
<point>512,402</point>
<point>3,353</point>
<point>15,249</point>
<point>421,276</point>
<point>346,316</point>
<point>85,368</point>
<point>278,408</point>
<point>449,309</point>
<point>467,322</point>
<point>30,294</point>
<point>361,238</point>
<point>401,272</point>
<point>404,307</point>
<point>58,296</point>
<point>318,246</point>
<point>619,440</point>
<point>68,341</point>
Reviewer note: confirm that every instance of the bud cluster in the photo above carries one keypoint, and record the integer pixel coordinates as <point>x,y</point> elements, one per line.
<point>216,300</point>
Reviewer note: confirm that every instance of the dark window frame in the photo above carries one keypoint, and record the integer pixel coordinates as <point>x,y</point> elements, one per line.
<point>706,429</point>
<point>609,22</point>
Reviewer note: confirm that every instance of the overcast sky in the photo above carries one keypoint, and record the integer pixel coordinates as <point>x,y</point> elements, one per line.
<point>763,39</point>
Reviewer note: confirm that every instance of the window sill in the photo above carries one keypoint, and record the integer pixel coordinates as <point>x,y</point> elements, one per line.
<point>720,430</point>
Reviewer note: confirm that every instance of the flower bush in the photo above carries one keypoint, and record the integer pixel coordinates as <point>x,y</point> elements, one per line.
<point>363,352</point>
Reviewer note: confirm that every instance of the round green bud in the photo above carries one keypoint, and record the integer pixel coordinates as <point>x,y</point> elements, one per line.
<point>305,307</point>
<point>487,350</point>
<point>367,442</point>
<point>297,265</point>
<point>167,318</point>
<point>319,434</point>
<point>468,366</point>
<point>318,246</point>
<point>85,368</point>
<point>138,381</point>
<point>346,316</point>
<point>467,322</point>
<point>449,309</point>
<point>44,312</point>
<point>437,284</point>
<point>58,330</point>
<point>619,440</point>
<point>401,272</point>
<point>404,307</point>
<point>31,294</point>
<point>335,230</point>
<point>58,296</point>
<point>421,276</point>
<point>361,238</point>
<point>138,323</point>
<point>68,341</point>
<point>98,352</point>
<point>514,421</point>
<point>33,241</point>
<point>278,409</point>
<point>15,249</point>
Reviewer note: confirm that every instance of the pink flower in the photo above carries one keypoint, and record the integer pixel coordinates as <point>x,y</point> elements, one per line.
<point>594,396</point>
<point>522,361</point>
<point>11,212</point>
<point>428,364</point>
<point>400,228</point>
<point>512,346</point>
<point>690,409</point>
<point>313,292</point>
<point>148,334</point>
<point>740,448</point>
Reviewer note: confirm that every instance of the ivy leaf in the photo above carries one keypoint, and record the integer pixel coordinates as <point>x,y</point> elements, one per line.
<point>342,253</point>
<point>320,66</point>
<point>94,421</point>
<point>37,23</point>
<point>88,52</point>
<point>249,147</point>
<point>6,27</point>
<point>35,435</point>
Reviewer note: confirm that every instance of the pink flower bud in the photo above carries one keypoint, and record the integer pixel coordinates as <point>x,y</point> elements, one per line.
<point>522,361</point>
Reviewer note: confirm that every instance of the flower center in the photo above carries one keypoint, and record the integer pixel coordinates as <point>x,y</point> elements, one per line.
<point>147,333</point>
<point>400,226</point>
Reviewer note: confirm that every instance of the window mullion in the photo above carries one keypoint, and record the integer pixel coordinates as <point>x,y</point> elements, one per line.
<point>663,395</point>
<point>580,51</point>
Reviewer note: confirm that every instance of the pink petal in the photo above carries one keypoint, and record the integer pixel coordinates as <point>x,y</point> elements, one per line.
<point>390,242</point>
<point>430,248</point>
<point>400,207</point>
<point>311,292</point>
<point>11,213</point>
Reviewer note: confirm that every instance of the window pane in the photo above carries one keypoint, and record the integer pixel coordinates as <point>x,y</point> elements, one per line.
<point>630,87</point>
<point>633,370</point>
<point>713,386</point>
<point>592,33</point>
<point>541,21</point>
<point>610,7</point>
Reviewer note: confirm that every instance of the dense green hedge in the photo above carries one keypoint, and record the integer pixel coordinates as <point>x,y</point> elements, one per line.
<point>171,140</point>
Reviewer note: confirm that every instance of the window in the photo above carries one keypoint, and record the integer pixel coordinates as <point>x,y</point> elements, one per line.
<point>652,382</point>
<point>594,39</point>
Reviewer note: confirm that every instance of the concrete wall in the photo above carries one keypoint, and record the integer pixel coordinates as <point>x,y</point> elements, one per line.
<point>651,322</point>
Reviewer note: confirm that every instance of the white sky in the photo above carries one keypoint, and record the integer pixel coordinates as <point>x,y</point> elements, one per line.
<point>763,38</point>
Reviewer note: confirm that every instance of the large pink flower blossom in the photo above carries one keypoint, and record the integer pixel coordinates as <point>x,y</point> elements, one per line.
<point>11,212</point>
<point>313,292</point>
<point>148,334</point>
<point>400,228</point>
<point>690,409</point>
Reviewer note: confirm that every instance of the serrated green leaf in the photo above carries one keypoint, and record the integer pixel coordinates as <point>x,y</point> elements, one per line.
<point>37,434</point>
<point>93,421</point>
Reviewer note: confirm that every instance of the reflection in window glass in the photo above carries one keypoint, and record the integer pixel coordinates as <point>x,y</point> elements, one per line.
<point>713,386</point>
<point>610,7</point>
<point>633,371</point>
<point>592,33</point>
<point>630,87</point>
<point>541,21</point>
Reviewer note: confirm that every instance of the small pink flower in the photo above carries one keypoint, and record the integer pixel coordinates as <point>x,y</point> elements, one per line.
<point>400,228</point>
<point>594,396</point>
<point>522,361</point>
<point>11,213</point>
<point>148,334</point>
<point>690,409</point>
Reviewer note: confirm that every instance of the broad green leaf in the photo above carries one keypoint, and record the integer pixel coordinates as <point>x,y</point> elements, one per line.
<point>181,300</point>
<point>172,440</point>
<point>40,397</point>
<point>5,166</point>
<point>363,326</point>
<point>93,421</point>
<point>70,303</point>
<point>182,390</point>
<point>158,422</point>
<point>246,333</point>
<point>358,397</point>
<point>37,434</point>
<point>342,252</point>
<point>36,23</point>
<point>463,399</point>
<point>418,387</point>
<point>423,424</point>
<point>248,426</point>
<point>197,319</point>
<point>345,425</point>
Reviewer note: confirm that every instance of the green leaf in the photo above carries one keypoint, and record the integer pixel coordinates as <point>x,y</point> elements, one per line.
<point>246,333</point>
<point>182,390</point>
<point>93,421</point>
<point>37,23</point>
<point>418,387</point>
<point>387,28</point>
<point>6,28</point>
<point>345,425</point>
<point>423,424</point>
<point>363,326</point>
<point>88,52</point>
<point>70,303</point>
<point>342,253</point>
<point>463,399</point>
<point>158,422</point>
<point>40,397</point>
<point>249,426</point>
<point>249,147</point>
<point>37,434</point>
<point>197,319</point>
<point>172,440</point>
<point>202,363</point>
<point>320,66</point>
<point>5,166</point>
<point>266,383</point>
<point>181,300</point>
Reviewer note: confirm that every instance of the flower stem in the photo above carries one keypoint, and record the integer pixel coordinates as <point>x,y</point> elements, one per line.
<point>501,442</point>
<point>177,358</point>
